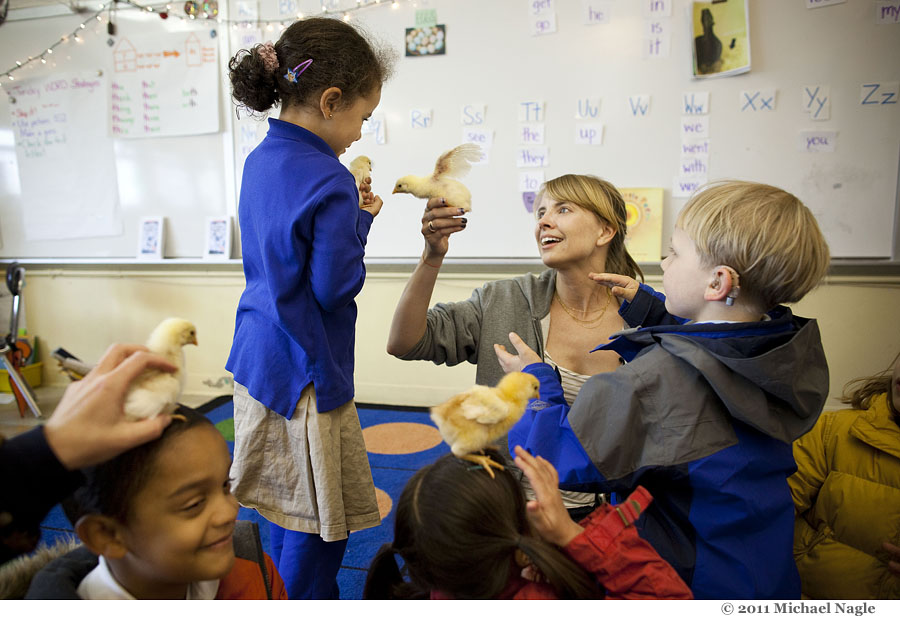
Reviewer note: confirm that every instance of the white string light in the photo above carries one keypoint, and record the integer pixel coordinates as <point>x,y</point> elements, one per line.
<point>49,50</point>
<point>164,11</point>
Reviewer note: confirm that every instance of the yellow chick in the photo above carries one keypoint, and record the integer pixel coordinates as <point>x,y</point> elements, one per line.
<point>361,168</point>
<point>469,422</point>
<point>155,391</point>
<point>451,164</point>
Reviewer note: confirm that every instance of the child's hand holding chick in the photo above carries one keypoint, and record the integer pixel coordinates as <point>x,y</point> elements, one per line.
<point>369,201</point>
<point>547,514</point>
<point>620,285</point>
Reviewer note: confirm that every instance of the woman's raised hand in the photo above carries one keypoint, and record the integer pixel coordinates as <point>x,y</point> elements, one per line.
<point>620,285</point>
<point>512,363</point>
<point>438,222</point>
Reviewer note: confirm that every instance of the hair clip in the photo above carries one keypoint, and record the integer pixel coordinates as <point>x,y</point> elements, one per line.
<point>293,74</point>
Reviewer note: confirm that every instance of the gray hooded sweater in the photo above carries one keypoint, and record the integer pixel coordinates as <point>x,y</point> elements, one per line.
<point>466,331</point>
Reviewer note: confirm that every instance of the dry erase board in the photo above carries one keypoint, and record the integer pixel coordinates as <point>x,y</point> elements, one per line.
<point>108,131</point>
<point>549,87</point>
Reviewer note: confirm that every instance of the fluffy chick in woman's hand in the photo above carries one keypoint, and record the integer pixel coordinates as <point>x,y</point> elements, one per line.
<point>155,391</point>
<point>469,422</point>
<point>361,168</point>
<point>451,164</point>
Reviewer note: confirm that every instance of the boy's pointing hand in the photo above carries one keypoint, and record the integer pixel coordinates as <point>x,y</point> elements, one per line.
<point>621,286</point>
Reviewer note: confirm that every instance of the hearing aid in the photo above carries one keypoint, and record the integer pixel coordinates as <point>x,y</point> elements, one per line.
<point>735,286</point>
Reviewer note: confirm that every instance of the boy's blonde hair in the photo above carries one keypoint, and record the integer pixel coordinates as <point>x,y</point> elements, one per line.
<point>606,202</point>
<point>763,232</point>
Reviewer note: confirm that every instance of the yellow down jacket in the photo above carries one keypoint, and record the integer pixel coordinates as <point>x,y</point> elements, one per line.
<point>847,497</point>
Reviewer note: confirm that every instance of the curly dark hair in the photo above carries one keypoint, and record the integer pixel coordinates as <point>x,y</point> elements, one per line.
<point>341,57</point>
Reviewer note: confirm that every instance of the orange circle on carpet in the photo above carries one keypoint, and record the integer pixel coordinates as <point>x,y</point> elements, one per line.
<point>385,503</point>
<point>400,438</point>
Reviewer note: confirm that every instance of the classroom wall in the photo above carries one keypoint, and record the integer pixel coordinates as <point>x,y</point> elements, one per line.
<point>68,306</point>
<point>627,81</point>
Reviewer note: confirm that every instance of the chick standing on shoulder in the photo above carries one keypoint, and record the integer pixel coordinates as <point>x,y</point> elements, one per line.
<point>469,422</point>
<point>155,391</point>
<point>452,164</point>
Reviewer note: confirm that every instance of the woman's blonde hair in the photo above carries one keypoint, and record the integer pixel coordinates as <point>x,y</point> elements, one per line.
<point>763,232</point>
<point>607,204</point>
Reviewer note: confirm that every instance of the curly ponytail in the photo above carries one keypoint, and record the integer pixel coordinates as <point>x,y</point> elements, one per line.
<point>340,57</point>
<point>252,83</point>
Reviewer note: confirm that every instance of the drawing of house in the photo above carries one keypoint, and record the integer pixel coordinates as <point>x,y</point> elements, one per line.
<point>125,57</point>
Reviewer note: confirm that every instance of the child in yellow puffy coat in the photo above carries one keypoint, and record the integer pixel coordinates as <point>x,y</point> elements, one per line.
<point>847,495</point>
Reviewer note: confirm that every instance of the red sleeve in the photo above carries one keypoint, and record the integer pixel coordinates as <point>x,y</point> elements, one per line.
<point>623,562</point>
<point>245,582</point>
<point>278,590</point>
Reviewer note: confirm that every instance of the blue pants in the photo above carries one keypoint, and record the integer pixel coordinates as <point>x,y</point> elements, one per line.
<point>308,564</point>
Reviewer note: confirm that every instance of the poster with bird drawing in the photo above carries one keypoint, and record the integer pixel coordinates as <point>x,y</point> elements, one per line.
<point>721,33</point>
<point>644,209</point>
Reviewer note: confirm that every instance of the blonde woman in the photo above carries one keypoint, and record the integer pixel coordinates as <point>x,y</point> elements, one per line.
<point>561,313</point>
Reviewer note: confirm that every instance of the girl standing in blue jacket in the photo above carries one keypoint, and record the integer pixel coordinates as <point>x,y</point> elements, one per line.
<point>299,458</point>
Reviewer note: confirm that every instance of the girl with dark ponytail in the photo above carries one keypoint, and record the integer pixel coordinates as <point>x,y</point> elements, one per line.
<point>300,459</point>
<point>464,535</point>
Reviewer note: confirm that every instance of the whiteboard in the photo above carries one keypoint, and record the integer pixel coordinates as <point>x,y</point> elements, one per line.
<point>175,162</point>
<point>55,121</point>
<point>494,60</point>
<point>494,63</point>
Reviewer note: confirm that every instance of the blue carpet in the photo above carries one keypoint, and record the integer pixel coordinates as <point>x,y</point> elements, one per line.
<point>389,471</point>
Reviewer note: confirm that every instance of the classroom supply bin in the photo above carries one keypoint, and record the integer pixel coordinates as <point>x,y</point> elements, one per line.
<point>32,374</point>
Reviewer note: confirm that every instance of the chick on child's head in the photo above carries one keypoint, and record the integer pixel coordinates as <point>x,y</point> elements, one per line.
<point>764,233</point>
<point>163,512</point>
<point>173,331</point>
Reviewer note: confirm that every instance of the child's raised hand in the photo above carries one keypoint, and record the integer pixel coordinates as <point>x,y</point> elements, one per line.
<point>547,514</point>
<point>620,285</point>
<point>512,363</point>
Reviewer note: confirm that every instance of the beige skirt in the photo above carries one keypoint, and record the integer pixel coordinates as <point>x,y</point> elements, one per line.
<point>309,473</point>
